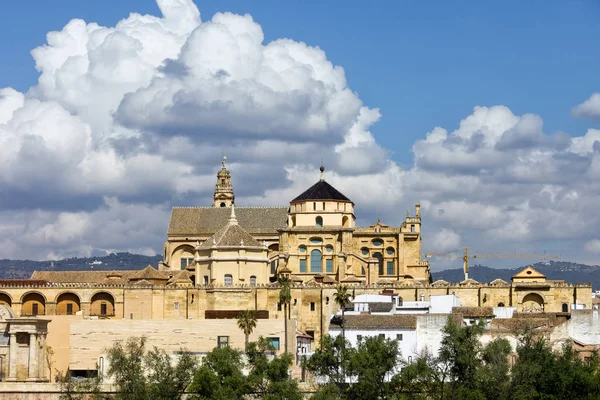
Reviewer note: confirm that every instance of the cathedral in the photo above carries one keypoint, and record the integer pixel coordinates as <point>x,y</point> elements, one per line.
<point>223,259</point>
<point>313,239</point>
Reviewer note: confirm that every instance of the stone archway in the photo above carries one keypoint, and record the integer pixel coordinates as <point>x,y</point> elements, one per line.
<point>532,302</point>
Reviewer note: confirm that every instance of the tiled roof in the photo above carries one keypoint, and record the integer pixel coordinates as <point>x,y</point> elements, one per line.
<point>181,276</point>
<point>381,307</point>
<point>379,322</point>
<point>149,273</point>
<point>103,277</point>
<point>207,220</point>
<point>474,311</point>
<point>81,276</point>
<point>230,235</point>
<point>321,191</point>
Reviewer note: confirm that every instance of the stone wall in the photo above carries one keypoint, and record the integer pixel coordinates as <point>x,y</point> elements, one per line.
<point>89,339</point>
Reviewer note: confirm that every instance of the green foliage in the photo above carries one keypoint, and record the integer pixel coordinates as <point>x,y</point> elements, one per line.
<point>246,321</point>
<point>152,375</point>
<point>285,292</point>
<point>370,364</point>
<point>541,373</point>
<point>341,296</point>
<point>126,367</point>
<point>80,389</point>
<point>220,376</point>
<point>166,381</point>
<point>327,361</point>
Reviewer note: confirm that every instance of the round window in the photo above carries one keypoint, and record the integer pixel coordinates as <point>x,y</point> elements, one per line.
<point>316,240</point>
<point>302,249</point>
<point>329,249</point>
<point>365,251</point>
<point>377,242</point>
<point>390,251</point>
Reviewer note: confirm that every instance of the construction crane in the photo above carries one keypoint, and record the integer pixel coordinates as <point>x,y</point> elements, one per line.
<point>466,257</point>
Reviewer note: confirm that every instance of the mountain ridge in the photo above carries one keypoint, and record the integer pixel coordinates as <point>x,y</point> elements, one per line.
<point>554,270</point>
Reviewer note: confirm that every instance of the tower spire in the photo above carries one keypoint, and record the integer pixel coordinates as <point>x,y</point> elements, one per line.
<point>232,218</point>
<point>223,196</point>
<point>322,169</point>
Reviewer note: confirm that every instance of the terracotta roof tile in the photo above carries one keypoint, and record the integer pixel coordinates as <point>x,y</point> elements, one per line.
<point>474,311</point>
<point>80,276</point>
<point>230,235</point>
<point>149,273</point>
<point>378,321</point>
<point>208,220</point>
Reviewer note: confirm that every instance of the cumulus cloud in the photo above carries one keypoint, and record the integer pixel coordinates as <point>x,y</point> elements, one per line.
<point>127,121</point>
<point>444,240</point>
<point>589,108</point>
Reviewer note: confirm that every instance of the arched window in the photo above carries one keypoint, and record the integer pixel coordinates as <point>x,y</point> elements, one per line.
<point>205,280</point>
<point>315,261</point>
<point>253,280</point>
<point>5,299</point>
<point>33,304</point>
<point>565,307</point>
<point>222,204</point>
<point>103,304</point>
<point>345,221</point>
<point>319,221</point>
<point>67,304</point>
<point>500,304</point>
<point>228,280</point>
<point>379,258</point>
<point>400,301</point>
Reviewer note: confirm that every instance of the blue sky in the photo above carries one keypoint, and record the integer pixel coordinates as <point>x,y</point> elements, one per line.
<point>472,97</point>
<point>422,63</point>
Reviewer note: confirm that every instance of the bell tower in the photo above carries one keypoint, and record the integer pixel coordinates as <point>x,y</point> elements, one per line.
<point>224,196</point>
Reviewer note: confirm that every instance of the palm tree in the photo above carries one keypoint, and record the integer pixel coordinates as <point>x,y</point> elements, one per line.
<point>246,321</point>
<point>342,298</point>
<point>285,296</point>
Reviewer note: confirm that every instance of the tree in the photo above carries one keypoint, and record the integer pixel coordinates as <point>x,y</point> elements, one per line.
<point>326,362</point>
<point>80,389</point>
<point>540,373</point>
<point>372,364</point>
<point>424,378</point>
<point>220,377</point>
<point>126,366</point>
<point>460,348</point>
<point>141,375</point>
<point>167,381</point>
<point>246,321</point>
<point>49,361</point>
<point>342,299</point>
<point>269,377</point>
<point>285,297</point>
<point>494,374</point>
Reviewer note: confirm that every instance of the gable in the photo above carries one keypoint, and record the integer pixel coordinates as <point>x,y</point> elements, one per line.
<point>528,274</point>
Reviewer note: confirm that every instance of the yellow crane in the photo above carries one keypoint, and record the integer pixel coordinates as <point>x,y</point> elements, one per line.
<point>466,256</point>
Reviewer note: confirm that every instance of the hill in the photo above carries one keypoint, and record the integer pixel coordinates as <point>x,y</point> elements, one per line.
<point>22,269</point>
<point>567,271</point>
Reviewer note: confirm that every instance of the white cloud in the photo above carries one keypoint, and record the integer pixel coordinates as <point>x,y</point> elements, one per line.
<point>593,246</point>
<point>444,240</point>
<point>589,108</point>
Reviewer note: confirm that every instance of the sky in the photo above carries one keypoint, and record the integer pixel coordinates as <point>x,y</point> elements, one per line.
<point>487,114</point>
